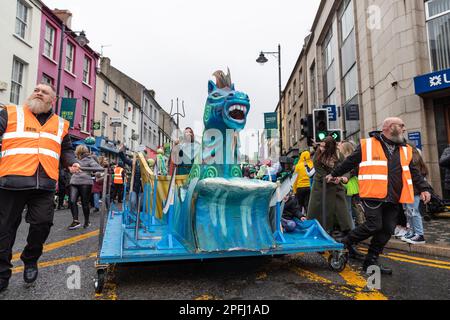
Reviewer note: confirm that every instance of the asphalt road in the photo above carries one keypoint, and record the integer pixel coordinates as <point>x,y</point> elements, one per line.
<point>299,277</point>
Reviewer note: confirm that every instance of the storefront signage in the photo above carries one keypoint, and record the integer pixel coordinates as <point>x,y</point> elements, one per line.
<point>352,112</point>
<point>68,107</point>
<point>416,138</point>
<point>432,82</point>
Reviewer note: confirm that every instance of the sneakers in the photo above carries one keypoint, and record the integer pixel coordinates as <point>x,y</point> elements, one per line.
<point>87,225</point>
<point>400,232</point>
<point>416,239</point>
<point>408,236</point>
<point>75,225</point>
<point>30,273</point>
<point>374,262</point>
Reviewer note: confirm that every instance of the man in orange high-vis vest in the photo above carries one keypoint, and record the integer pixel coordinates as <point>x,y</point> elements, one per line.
<point>118,183</point>
<point>35,144</point>
<point>387,179</point>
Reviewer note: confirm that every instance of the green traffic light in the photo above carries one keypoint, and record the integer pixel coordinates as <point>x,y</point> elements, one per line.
<point>322,136</point>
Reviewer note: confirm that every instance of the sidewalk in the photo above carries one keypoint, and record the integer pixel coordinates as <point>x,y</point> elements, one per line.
<point>437,235</point>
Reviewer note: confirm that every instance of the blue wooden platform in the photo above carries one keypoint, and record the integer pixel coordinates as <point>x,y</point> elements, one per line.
<point>157,244</point>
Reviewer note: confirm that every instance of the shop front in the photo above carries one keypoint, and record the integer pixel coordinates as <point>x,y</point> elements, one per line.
<point>434,88</point>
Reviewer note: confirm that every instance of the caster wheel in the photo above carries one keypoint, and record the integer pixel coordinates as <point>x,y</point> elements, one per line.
<point>337,262</point>
<point>100,281</point>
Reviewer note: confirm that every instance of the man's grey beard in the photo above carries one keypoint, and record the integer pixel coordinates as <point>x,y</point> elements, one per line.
<point>398,138</point>
<point>38,106</point>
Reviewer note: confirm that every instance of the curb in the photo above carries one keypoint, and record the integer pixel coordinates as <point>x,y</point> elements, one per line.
<point>427,249</point>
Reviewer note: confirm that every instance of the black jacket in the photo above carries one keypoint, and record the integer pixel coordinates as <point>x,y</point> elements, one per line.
<point>395,182</point>
<point>445,163</point>
<point>137,185</point>
<point>40,180</point>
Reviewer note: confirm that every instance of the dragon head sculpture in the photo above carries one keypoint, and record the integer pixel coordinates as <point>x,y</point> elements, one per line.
<point>225,108</point>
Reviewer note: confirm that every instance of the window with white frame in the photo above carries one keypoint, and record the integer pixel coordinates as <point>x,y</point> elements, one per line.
<point>22,16</point>
<point>125,108</point>
<point>17,80</point>
<point>84,115</point>
<point>125,133</point>
<point>47,79</point>
<point>145,131</point>
<point>104,119</point>
<point>68,93</point>
<point>133,116</point>
<point>70,54</point>
<point>438,25</point>
<point>116,101</point>
<point>301,82</point>
<point>49,41</point>
<point>155,115</point>
<point>87,70</point>
<point>106,93</point>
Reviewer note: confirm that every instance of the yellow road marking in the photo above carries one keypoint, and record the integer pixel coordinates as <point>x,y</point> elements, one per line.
<point>438,262</point>
<point>414,260</point>
<point>58,262</point>
<point>342,290</point>
<point>359,284</point>
<point>205,297</point>
<point>63,243</point>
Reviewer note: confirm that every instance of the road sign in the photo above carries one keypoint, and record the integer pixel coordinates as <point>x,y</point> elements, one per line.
<point>416,138</point>
<point>332,112</point>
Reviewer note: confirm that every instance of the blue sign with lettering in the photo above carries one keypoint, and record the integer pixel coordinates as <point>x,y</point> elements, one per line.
<point>432,82</point>
<point>416,138</point>
<point>332,112</point>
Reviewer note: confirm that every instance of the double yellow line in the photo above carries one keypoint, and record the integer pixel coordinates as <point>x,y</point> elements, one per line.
<point>437,264</point>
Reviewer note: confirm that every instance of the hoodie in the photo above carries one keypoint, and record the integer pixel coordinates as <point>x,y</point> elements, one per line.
<point>303,178</point>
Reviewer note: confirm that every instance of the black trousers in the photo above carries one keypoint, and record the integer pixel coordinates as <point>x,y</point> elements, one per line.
<point>117,191</point>
<point>303,195</point>
<point>40,212</point>
<point>83,191</point>
<point>381,220</point>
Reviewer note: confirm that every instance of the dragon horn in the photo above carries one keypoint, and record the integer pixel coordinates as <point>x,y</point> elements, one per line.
<point>229,78</point>
<point>220,76</point>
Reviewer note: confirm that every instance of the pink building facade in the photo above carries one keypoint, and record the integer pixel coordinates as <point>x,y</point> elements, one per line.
<point>78,72</point>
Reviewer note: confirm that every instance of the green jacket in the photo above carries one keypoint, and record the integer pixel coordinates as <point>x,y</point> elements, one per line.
<point>335,202</point>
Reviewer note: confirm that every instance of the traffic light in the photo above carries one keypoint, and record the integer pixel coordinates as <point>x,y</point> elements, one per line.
<point>307,126</point>
<point>337,135</point>
<point>321,123</point>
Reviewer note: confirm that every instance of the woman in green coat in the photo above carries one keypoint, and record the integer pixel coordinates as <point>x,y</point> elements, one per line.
<point>325,160</point>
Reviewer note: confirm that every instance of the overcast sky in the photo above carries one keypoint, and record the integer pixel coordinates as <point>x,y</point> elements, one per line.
<point>174,46</point>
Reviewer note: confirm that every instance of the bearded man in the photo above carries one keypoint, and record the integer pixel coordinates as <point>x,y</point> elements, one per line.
<point>35,143</point>
<point>387,178</point>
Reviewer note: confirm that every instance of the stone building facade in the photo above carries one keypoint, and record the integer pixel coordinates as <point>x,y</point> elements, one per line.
<point>382,58</point>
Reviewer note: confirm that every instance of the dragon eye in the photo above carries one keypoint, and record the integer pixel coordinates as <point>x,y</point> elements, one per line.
<point>216,95</point>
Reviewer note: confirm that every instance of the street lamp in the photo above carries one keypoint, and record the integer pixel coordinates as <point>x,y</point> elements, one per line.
<point>82,41</point>
<point>262,60</point>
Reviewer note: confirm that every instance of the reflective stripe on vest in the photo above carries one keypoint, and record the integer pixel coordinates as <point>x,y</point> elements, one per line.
<point>118,179</point>
<point>27,143</point>
<point>373,172</point>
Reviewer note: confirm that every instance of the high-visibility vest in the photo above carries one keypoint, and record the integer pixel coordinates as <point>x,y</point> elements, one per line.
<point>27,143</point>
<point>373,172</point>
<point>118,179</point>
